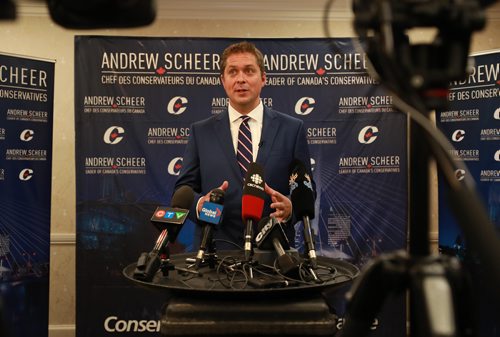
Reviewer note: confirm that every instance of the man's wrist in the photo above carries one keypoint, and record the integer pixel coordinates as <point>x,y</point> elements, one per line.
<point>198,208</point>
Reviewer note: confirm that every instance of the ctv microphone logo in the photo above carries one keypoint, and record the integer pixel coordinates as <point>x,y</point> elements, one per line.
<point>171,215</point>
<point>26,174</point>
<point>26,135</point>
<point>304,106</point>
<point>368,134</point>
<point>176,105</point>
<point>496,114</point>
<point>458,136</point>
<point>114,135</point>
<point>174,167</point>
<point>497,155</point>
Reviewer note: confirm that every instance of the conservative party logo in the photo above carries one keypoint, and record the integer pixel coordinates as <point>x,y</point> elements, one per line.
<point>368,134</point>
<point>26,174</point>
<point>496,114</point>
<point>458,136</point>
<point>113,135</point>
<point>460,174</point>
<point>27,135</point>
<point>177,105</point>
<point>304,106</point>
<point>174,167</point>
<point>491,174</point>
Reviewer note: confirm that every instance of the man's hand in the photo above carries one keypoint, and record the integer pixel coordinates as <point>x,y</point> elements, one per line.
<point>281,204</point>
<point>206,197</point>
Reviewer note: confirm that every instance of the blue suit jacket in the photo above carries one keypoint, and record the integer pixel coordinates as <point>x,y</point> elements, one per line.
<point>210,159</point>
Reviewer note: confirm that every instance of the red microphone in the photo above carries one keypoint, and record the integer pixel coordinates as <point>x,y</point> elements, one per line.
<point>252,203</point>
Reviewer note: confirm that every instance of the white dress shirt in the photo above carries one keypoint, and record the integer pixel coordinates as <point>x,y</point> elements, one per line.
<point>255,124</point>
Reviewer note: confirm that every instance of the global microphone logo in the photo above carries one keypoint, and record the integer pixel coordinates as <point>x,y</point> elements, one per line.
<point>26,174</point>
<point>497,155</point>
<point>114,135</point>
<point>26,135</point>
<point>304,106</point>
<point>368,134</point>
<point>174,167</point>
<point>458,136</point>
<point>177,105</point>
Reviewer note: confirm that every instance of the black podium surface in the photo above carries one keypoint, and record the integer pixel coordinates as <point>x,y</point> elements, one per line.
<point>231,297</point>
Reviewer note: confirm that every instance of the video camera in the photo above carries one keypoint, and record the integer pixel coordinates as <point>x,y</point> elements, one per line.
<point>424,68</point>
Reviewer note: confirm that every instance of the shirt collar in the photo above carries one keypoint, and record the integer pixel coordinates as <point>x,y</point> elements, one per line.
<point>256,114</point>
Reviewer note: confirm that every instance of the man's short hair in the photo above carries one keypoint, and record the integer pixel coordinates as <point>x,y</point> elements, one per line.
<point>242,47</point>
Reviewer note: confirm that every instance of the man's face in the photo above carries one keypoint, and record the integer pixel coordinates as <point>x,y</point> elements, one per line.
<point>243,81</point>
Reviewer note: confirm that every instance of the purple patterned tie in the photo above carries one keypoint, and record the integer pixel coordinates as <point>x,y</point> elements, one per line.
<point>244,153</point>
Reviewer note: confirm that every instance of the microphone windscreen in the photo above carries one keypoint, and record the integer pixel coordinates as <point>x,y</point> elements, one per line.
<point>267,230</point>
<point>301,190</point>
<point>251,207</point>
<point>183,197</point>
<point>263,222</point>
<point>217,196</point>
<point>254,181</point>
<point>252,200</point>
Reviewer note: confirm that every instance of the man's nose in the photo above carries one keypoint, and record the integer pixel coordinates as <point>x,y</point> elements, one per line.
<point>241,77</point>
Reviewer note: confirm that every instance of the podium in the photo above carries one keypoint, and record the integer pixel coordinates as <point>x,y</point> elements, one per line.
<point>200,303</point>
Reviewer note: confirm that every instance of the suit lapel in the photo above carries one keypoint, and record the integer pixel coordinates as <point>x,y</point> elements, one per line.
<point>221,129</point>
<point>270,126</point>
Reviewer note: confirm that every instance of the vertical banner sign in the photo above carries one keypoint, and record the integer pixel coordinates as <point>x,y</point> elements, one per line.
<point>472,124</point>
<point>135,100</point>
<point>26,113</point>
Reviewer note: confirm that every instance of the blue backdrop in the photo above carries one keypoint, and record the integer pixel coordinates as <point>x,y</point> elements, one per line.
<point>135,99</point>
<point>472,124</point>
<point>26,114</point>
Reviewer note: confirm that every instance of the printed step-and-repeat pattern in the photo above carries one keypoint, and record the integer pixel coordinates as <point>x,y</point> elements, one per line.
<point>26,114</point>
<point>135,99</point>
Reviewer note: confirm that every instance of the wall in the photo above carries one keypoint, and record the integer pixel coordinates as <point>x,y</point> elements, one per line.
<point>34,34</point>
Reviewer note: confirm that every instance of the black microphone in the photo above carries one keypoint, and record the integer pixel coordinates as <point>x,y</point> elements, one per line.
<point>170,221</point>
<point>302,195</point>
<point>271,235</point>
<point>252,203</point>
<point>210,216</point>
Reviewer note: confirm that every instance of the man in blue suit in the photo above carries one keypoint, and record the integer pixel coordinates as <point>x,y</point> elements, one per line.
<point>210,159</point>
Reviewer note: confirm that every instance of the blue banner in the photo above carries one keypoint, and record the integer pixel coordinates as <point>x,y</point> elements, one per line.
<point>472,124</point>
<point>135,99</point>
<point>26,114</point>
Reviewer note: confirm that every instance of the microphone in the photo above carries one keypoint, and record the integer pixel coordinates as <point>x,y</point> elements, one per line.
<point>302,195</point>
<point>252,203</point>
<point>170,221</point>
<point>271,235</point>
<point>210,215</point>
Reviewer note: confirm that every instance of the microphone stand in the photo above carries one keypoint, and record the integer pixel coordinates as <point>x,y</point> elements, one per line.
<point>211,255</point>
<point>438,290</point>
